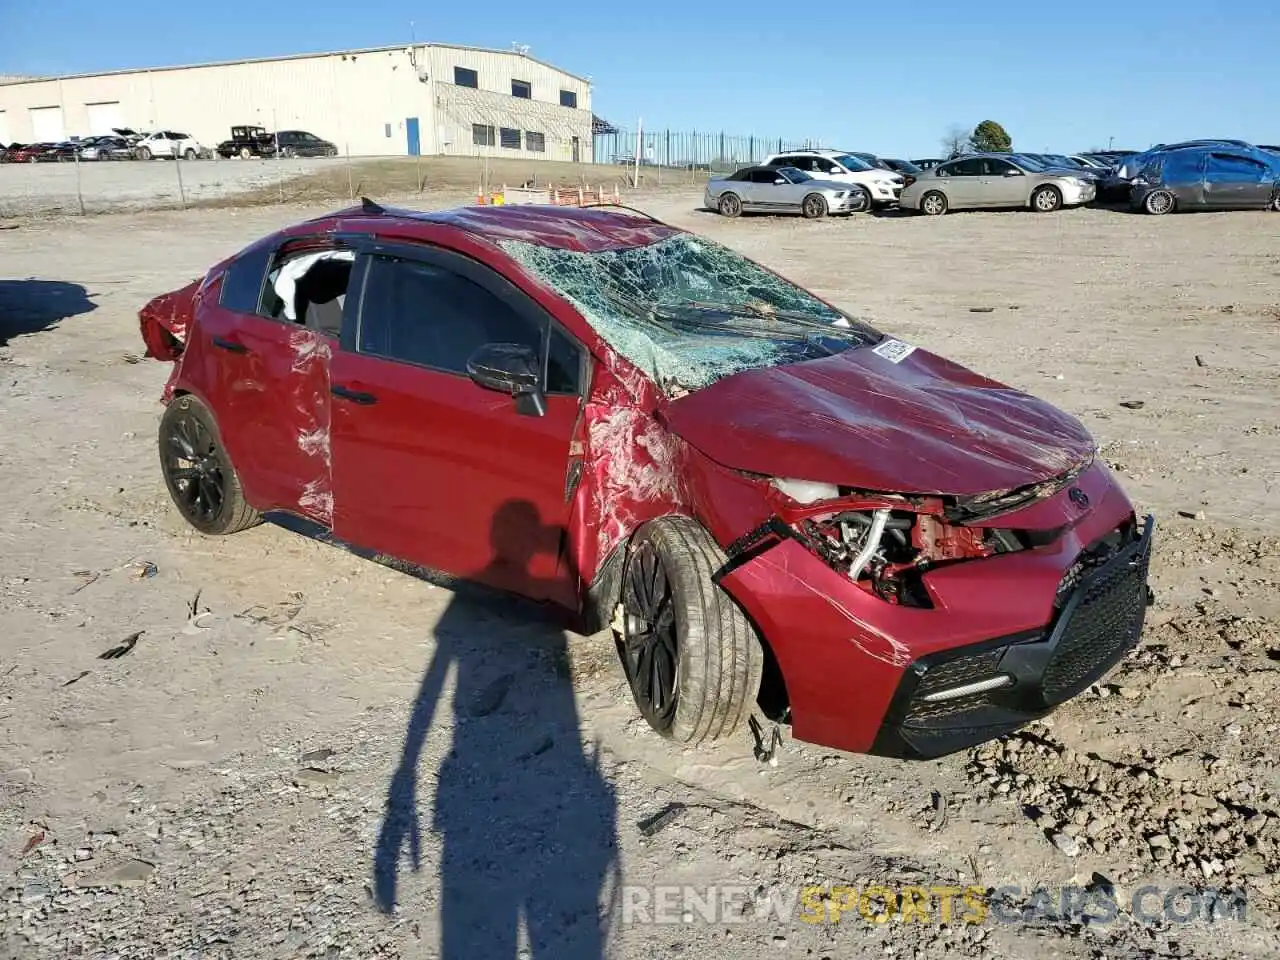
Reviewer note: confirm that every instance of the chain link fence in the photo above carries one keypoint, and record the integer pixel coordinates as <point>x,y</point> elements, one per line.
<point>710,151</point>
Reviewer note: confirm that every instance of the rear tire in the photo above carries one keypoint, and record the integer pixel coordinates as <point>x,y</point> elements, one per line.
<point>814,206</point>
<point>198,472</point>
<point>1046,199</point>
<point>933,203</point>
<point>690,654</point>
<point>245,153</point>
<point>730,205</point>
<point>1158,203</point>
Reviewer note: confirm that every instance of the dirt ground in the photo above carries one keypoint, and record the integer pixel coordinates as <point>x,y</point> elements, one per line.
<point>327,736</point>
<point>122,186</point>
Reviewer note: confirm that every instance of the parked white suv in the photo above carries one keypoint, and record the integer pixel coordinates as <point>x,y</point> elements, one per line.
<point>883,185</point>
<point>167,143</point>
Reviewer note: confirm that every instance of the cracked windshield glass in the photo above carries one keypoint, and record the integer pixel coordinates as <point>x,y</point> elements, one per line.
<point>690,312</point>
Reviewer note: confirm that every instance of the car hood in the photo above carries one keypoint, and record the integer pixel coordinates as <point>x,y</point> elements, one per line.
<point>818,184</point>
<point>921,425</point>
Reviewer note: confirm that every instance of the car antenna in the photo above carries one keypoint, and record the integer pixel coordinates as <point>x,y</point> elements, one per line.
<point>369,206</point>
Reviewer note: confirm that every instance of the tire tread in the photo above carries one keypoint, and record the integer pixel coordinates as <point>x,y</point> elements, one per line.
<point>721,657</point>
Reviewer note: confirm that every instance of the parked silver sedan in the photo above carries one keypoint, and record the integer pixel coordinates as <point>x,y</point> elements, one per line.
<point>782,190</point>
<point>994,180</point>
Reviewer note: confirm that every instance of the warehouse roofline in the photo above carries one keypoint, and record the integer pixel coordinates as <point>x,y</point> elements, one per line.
<point>12,81</point>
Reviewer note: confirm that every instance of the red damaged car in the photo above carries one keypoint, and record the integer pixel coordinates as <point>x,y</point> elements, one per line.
<point>774,506</point>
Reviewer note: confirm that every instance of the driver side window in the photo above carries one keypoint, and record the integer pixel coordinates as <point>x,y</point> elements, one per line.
<point>425,314</point>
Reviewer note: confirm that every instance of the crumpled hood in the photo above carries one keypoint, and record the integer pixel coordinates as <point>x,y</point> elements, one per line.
<point>857,419</point>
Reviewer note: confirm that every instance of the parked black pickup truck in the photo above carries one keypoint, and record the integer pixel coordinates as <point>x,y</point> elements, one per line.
<point>248,142</point>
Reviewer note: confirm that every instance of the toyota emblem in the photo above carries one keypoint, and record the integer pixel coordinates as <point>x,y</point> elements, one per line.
<point>1078,497</point>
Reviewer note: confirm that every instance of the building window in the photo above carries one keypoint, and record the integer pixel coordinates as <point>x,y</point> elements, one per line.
<point>522,89</point>
<point>481,135</point>
<point>466,78</point>
<point>569,98</point>
<point>536,142</point>
<point>509,138</point>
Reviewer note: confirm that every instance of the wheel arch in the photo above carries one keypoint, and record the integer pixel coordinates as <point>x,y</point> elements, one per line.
<point>603,594</point>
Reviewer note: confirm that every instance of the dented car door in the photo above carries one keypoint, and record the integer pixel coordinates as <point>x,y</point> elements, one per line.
<point>267,377</point>
<point>430,465</point>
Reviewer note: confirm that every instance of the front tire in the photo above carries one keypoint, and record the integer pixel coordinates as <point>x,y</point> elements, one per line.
<point>1158,203</point>
<point>730,205</point>
<point>1046,199</point>
<point>691,656</point>
<point>144,153</point>
<point>190,154</point>
<point>933,204</point>
<point>198,472</point>
<point>814,206</point>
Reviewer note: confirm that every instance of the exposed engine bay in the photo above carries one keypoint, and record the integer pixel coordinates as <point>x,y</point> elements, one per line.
<point>885,543</point>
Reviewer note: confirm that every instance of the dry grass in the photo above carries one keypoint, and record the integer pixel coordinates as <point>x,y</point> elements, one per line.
<point>406,176</point>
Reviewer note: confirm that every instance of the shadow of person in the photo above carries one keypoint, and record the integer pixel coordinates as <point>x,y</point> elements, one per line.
<point>29,306</point>
<point>525,818</point>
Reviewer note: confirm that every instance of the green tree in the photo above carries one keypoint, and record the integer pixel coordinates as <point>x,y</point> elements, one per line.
<point>990,137</point>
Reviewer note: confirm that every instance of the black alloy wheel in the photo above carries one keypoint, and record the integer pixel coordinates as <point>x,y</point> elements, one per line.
<point>649,644</point>
<point>198,473</point>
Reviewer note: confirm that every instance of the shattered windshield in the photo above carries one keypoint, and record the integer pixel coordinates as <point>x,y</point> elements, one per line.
<point>689,312</point>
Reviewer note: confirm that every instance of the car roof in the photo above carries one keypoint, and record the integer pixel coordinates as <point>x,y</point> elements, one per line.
<point>579,229</point>
<point>808,152</point>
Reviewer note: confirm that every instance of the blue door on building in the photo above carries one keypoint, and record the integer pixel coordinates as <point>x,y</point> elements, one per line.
<point>411,131</point>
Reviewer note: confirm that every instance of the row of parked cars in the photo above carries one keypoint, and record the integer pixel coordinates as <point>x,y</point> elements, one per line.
<point>1194,174</point>
<point>127,144</point>
<point>121,144</point>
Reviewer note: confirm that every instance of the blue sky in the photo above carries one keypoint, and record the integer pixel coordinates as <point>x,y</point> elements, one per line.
<point>885,77</point>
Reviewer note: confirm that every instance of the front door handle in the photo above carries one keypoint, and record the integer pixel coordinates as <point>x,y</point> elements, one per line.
<point>355,396</point>
<point>235,346</point>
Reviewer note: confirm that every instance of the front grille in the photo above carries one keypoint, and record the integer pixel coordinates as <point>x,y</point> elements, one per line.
<point>1102,619</point>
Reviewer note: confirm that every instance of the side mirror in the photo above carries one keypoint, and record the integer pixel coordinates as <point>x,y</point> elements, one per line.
<point>510,368</point>
<point>1013,173</point>
<point>779,180</point>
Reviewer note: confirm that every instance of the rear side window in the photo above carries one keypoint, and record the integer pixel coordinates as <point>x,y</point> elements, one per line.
<point>242,281</point>
<point>431,316</point>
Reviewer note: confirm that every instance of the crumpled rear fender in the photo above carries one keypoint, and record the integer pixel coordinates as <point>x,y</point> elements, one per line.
<point>165,319</point>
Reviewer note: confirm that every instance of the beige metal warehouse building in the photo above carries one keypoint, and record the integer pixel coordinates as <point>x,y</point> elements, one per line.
<point>383,101</point>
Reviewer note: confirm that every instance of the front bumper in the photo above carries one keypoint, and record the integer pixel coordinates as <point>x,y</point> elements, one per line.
<point>884,193</point>
<point>1081,195</point>
<point>854,665</point>
<point>1100,620</point>
<point>855,201</point>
